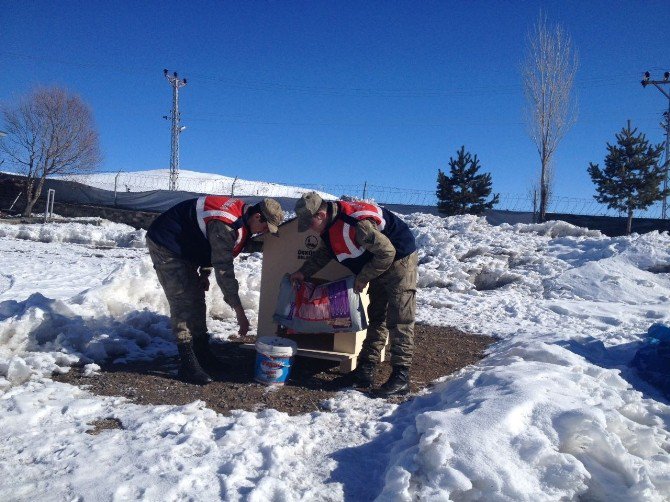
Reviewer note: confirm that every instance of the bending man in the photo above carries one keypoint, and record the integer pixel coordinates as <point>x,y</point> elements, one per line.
<point>380,249</point>
<point>184,243</point>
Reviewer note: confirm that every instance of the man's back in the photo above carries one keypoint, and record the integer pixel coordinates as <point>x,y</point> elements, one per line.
<point>177,230</point>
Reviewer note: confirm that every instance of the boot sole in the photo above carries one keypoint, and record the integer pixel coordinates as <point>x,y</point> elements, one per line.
<point>403,392</point>
<point>362,385</point>
<point>194,381</point>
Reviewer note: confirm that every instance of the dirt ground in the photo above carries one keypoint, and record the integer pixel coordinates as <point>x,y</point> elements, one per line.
<point>439,351</point>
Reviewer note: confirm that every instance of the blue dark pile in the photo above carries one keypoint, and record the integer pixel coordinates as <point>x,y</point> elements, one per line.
<point>652,360</point>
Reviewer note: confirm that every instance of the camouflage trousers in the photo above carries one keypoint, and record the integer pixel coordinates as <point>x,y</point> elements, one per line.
<point>392,311</point>
<point>185,295</point>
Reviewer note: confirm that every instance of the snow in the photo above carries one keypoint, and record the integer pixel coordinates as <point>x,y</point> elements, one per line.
<point>553,412</point>
<point>190,181</point>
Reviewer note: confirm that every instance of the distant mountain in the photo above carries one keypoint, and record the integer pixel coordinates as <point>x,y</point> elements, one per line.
<point>190,181</point>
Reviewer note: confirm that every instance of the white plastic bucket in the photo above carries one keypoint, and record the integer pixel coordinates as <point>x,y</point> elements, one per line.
<point>274,356</point>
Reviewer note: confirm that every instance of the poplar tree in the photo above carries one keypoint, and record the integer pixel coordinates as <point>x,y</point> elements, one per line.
<point>464,191</point>
<point>549,71</point>
<point>631,179</point>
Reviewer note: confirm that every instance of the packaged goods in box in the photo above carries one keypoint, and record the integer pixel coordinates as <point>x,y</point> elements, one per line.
<point>327,308</point>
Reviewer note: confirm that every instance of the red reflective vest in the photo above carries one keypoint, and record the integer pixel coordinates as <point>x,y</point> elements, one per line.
<point>226,209</point>
<point>342,235</point>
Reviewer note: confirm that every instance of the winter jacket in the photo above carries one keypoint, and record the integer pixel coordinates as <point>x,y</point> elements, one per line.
<point>208,232</point>
<point>183,228</point>
<point>364,237</point>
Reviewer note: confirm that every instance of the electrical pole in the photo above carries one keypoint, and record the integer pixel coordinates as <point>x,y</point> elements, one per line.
<point>176,129</point>
<point>657,83</point>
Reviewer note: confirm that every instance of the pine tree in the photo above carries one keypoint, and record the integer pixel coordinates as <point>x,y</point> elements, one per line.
<point>464,191</point>
<point>632,176</point>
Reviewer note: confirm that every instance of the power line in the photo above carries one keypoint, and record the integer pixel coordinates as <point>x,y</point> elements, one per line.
<point>214,118</point>
<point>341,91</point>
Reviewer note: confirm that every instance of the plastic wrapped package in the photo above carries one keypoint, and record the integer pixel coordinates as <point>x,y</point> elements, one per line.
<point>326,308</point>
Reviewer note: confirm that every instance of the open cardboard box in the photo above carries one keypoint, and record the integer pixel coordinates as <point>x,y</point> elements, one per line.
<point>285,253</point>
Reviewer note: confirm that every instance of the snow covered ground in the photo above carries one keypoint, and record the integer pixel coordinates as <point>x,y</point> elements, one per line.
<point>189,181</point>
<point>552,413</point>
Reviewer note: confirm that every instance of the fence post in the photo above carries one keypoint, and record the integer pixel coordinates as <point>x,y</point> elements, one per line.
<point>116,179</point>
<point>49,208</point>
<point>17,198</point>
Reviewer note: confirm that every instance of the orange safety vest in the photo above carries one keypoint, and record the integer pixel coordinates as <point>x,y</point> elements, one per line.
<point>226,209</point>
<point>342,234</point>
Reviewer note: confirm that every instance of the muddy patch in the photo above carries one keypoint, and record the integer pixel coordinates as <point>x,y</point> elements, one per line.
<point>103,424</point>
<point>439,351</point>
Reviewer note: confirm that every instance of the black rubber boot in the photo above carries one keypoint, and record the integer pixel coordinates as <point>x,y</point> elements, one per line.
<point>364,374</point>
<point>190,371</point>
<point>204,354</point>
<point>397,384</point>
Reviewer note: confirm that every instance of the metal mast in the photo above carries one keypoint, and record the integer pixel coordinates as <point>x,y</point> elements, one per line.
<point>657,83</point>
<point>175,83</point>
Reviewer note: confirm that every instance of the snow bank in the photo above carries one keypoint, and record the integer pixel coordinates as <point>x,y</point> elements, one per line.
<point>555,229</point>
<point>124,318</point>
<point>556,428</point>
<point>92,231</point>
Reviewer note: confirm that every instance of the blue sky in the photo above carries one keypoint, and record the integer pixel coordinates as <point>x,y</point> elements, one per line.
<point>335,92</point>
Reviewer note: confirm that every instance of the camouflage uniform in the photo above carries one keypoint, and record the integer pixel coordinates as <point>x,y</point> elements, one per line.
<point>392,292</point>
<point>392,310</point>
<point>181,282</point>
<point>183,287</point>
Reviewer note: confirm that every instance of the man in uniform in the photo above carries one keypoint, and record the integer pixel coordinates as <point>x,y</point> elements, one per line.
<point>380,249</point>
<point>184,243</point>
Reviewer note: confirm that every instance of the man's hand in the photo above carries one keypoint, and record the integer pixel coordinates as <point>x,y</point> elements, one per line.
<point>204,278</point>
<point>359,286</point>
<point>296,278</point>
<point>242,321</point>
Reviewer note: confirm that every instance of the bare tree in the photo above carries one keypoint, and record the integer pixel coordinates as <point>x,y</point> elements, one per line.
<point>49,131</point>
<point>548,76</point>
<point>535,188</point>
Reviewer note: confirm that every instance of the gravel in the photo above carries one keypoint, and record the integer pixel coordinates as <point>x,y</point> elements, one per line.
<point>439,351</point>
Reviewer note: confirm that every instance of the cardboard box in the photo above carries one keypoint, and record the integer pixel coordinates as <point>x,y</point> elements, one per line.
<point>285,253</point>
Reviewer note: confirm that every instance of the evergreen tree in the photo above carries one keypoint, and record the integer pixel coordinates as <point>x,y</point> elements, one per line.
<point>632,177</point>
<point>464,191</point>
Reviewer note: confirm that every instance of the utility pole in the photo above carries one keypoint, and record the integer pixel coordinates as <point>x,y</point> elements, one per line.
<point>176,129</point>
<point>657,83</point>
